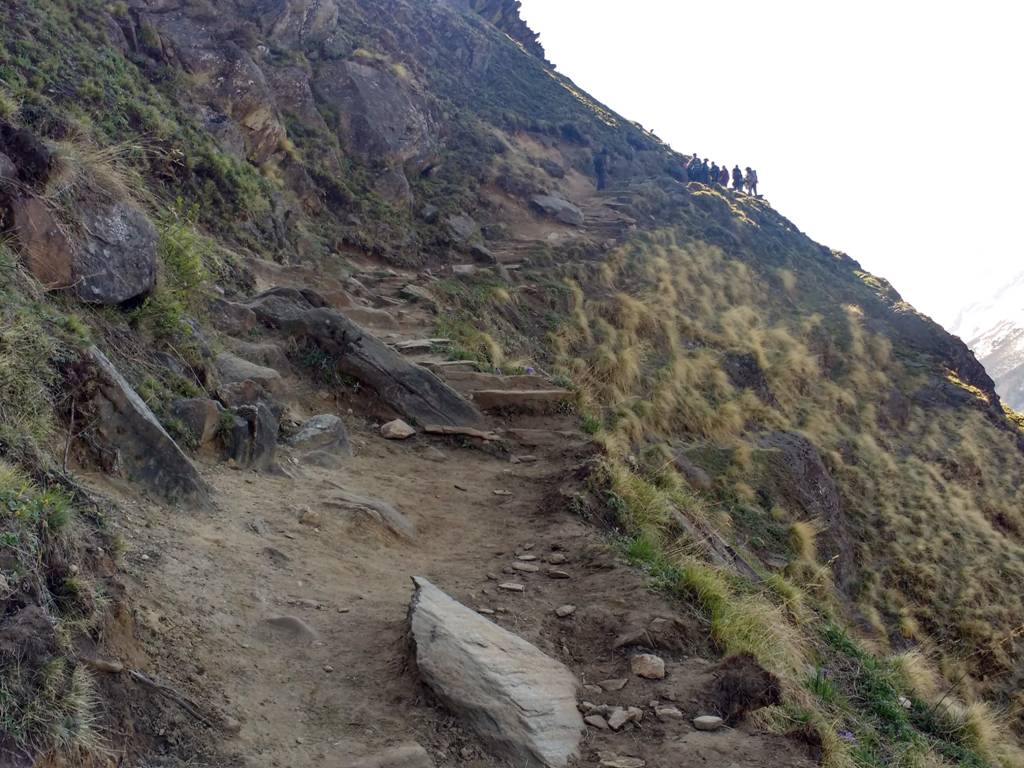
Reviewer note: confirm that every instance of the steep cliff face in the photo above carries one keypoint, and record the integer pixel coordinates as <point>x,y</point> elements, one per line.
<point>785,444</point>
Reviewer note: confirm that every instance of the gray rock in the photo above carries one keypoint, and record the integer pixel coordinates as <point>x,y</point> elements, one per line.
<point>253,439</point>
<point>232,369</point>
<point>232,318</point>
<point>201,417</point>
<point>116,261</point>
<point>708,723</point>
<point>289,628</point>
<point>559,209</point>
<point>378,511</point>
<point>379,117</point>
<point>266,354</point>
<point>462,228</point>
<point>325,432</point>
<point>411,390</point>
<point>564,611</point>
<point>397,430</point>
<point>518,700</point>
<point>596,721</point>
<point>648,665</point>
<point>132,439</point>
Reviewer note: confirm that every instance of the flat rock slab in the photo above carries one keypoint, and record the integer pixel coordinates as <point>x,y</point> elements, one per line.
<point>129,431</point>
<point>376,510</point>
<point>414,392</point>
<point>517,699</point>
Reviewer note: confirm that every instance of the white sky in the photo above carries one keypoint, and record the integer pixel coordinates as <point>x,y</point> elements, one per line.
<point>891,130</point>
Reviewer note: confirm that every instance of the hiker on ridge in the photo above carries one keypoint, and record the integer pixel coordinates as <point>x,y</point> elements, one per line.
<point>737,179</point>
<point>723,177</point>
<point>713,174</point>
<point>751,181</point>
<point>601,168</point>
<point>693,168</point>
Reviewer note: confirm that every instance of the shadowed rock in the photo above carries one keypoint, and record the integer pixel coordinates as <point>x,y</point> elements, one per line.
<point>132,439</point>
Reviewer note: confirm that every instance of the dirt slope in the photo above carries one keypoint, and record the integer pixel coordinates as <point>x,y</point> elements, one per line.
<point>287,613</point>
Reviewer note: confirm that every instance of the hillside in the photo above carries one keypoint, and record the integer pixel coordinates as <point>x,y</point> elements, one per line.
<point>242,240</point>
<point>994,330</point>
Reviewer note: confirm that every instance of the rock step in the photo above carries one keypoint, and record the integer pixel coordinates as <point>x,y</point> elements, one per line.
<point>518,400</point>
<point>468,382</point>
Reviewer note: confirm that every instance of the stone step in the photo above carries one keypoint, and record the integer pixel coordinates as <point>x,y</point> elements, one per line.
<point>468,382</point>
<point>522,401</point>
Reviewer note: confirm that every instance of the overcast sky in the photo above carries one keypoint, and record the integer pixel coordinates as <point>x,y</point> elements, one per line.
<point>890,130</point>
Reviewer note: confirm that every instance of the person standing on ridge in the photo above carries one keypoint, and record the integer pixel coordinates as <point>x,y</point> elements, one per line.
<point>713,174</point>
<point>723,177</point>
<point>737,179</point>
<point>752,181</point>
<point>704,171</point>
<point>693,168</point>
<point>601,168</point>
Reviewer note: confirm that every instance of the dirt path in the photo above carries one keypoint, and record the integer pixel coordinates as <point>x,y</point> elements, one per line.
<point>287,612</point>
<point>283,608</point>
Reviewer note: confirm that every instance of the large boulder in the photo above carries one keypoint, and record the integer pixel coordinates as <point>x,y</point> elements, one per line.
<point>414,392</point>
<point>200,416</point>
<point>132,440</point>
<point>379,116</point>
<point>116,261</point>
<point>559,209</point>
<point>252,439</point>
<point>518,700</point>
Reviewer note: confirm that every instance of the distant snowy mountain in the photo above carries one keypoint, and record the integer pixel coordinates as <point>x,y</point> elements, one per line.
<point>994,330</point>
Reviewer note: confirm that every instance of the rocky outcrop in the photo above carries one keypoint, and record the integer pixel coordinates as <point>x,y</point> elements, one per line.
<point>506,15</point>
<point>114,260</point>
<point>131,440</point>
<point>413,391</point>
<point>325,432</point>
<point>233,369</point>
<point>252,441</point>
<point>518,700</point>
<point>200,416</point>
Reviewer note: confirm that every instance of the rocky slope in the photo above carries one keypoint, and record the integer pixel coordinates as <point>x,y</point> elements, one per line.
<point>250,246</point>
<point>994,330</point>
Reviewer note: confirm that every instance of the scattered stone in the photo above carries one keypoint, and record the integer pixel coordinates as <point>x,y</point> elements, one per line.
<point>668,713</point>
<point>460,487</point>
<point>618,718</point>
<point>596,721</point>
<point>485,611</point>
<point>328,668</point>
<point>502,493</point>
<point>635,714</point>
<point>594,689</point>
<point>377,510</point>
<point>510,586</point>
<point>526,558</point>
<point>433,454</point>
<point>906,703</point>
<point>492,576</point>
<point>397,430</point>
<point>554,573</point>
<point>557,558</point>
<point>648,666</point>
<point>520,701</point>
<point>564,611</point>
<point>525,567</point>
<point>310,517</point>
<point>616,684</point>
<point>708,723</point>
<point>405,756</point>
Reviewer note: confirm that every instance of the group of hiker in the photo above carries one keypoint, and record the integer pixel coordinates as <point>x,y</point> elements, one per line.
<point>696,169</point>
<point>710,173</point>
